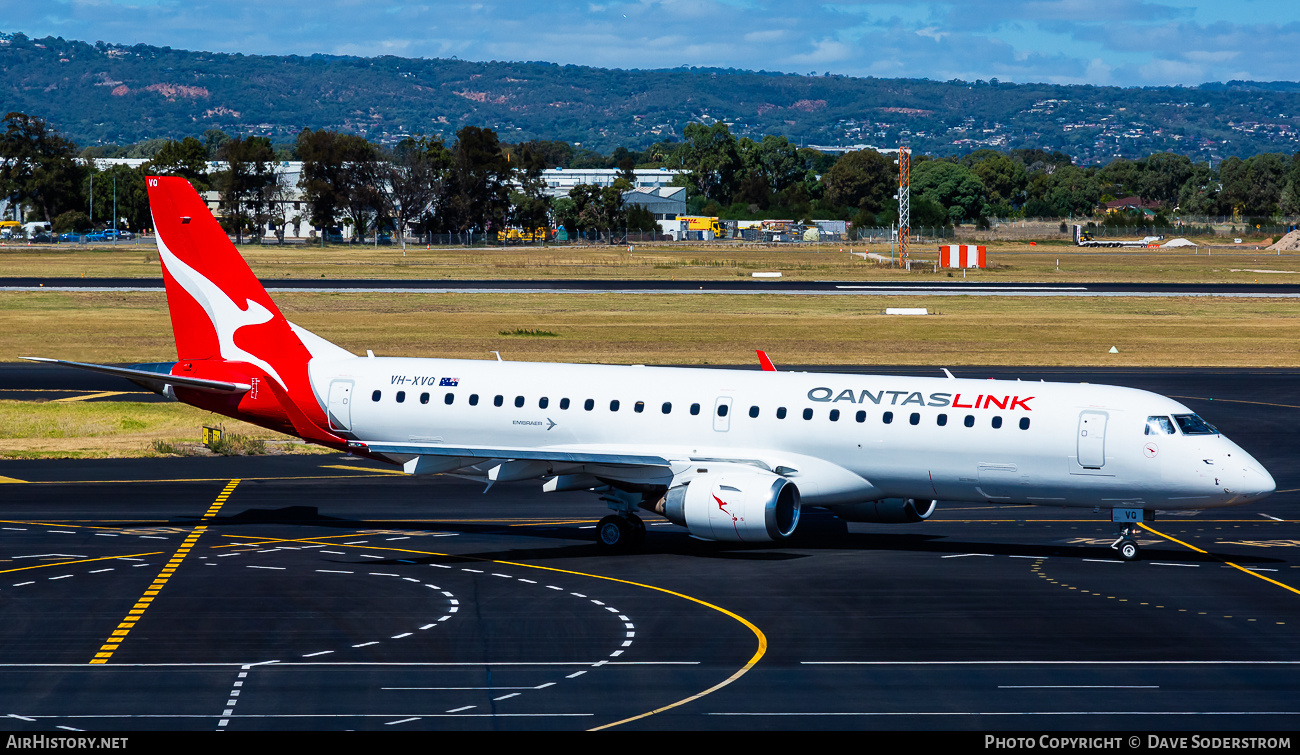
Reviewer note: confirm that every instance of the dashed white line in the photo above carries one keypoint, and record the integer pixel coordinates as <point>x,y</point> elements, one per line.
<point>366,644</point>
<point>458,710</point>
<point>335,571</point>
<point>402,721</point>
<point>507,697</point>
<point>1161,563</point>
<point>313,655</point>
<point>277,568</point>
<point>964,555</point>
<point>400,636</point>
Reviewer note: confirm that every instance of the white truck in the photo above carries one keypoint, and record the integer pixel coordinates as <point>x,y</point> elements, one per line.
<point>1084,238</point>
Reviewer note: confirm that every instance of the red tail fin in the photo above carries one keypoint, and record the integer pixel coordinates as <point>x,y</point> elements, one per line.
<point>218,307</point>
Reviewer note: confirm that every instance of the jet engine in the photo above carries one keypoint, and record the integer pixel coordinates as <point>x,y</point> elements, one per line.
<point>739,507</point>
<point>887,510</point>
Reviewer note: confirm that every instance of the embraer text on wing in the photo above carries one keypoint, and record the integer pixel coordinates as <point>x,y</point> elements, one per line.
<point>903,398</point>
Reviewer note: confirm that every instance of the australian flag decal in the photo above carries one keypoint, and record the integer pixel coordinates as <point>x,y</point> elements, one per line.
<point>448,382</point>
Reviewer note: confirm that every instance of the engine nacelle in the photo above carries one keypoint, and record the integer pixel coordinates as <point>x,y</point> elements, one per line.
<point>887,511</point>
<point>736,507</point>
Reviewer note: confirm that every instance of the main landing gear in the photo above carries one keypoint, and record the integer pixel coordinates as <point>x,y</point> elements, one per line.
<point>623,530</point>
<point>620,532</point>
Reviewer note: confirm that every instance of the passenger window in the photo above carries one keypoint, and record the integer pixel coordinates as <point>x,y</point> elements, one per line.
<point>564,403</point>
<point>473,399</point>
<point>667,407</point>
<point>835,415</point>
<point>424,398</point>
<point>807,413</point>
<point>519,402</point>
<point>722,410</point>
<point>543,402</point>
<point>498,400</point>
<point>401,396</point>
<point>942,420</point>
<point>1024,423</point>
<point>780,412</point>
<point>997,422</point>
<point>887,417</point>
<point>638,407</point>
<point>589,404</point>
<point>695,409</point>
<point>613,405</point>
<point>915,419</point>
<point>861,416</point>
<point>375,396</point>
<point>1159,425</point>
<point>449,398</point>
<point>753,411</point>
<point>969,421</point>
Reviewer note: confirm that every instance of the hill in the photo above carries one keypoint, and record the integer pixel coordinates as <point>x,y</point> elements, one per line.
<point>108,94</point>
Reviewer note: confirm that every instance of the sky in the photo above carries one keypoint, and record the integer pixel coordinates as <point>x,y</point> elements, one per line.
<point>1104,42</point>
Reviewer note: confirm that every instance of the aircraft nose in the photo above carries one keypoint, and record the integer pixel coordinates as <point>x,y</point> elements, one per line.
<point>1256,482</point>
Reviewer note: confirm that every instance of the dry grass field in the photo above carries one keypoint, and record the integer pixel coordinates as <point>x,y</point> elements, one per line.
<point>1008,261</point>
<point>701,329</point>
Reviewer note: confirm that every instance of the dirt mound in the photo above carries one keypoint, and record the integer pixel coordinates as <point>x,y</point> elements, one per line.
<point>1288,243</point>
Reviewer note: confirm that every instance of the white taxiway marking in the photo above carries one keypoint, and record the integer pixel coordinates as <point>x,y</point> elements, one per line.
<point>1161,563</point>
<point>1102,560</point>
<point>1078,686</point>
<point>964,555</point>
<point>403,721</point>
<point>1266,516</point>
<point>458,710</point>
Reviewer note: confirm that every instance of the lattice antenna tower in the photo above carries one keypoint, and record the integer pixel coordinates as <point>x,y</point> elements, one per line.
<point>904,202</point>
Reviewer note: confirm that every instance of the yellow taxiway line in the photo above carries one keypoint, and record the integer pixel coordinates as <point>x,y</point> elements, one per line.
<point>1229,563</point>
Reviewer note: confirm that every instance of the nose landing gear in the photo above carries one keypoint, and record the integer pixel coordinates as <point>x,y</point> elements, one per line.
<point>1127,543</point>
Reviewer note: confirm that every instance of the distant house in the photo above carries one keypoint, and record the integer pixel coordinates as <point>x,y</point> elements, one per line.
<point>1132,203</point>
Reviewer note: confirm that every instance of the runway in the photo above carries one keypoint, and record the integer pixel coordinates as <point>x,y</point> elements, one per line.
<point>326,593</point>
<point>741,286</point>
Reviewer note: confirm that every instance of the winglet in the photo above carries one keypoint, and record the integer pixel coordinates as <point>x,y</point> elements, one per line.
<point>763,360</point>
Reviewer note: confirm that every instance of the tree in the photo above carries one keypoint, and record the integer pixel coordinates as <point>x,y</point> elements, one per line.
<point>39,167</point>
<point>952,185</point>
<point>863,179</point>
<point>479,182</point>
<point>531,205</point>
<point>250,168</point>
<point>326,178</point>
<point>1005,178</point>
<point>414,180</point>
<point>187,158</point>
<point>713,159</point>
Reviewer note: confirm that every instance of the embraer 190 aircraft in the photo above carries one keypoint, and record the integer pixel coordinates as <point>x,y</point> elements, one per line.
<point>732,455</point>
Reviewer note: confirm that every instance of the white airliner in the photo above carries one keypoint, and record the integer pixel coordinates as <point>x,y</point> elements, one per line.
<point>732,455</point>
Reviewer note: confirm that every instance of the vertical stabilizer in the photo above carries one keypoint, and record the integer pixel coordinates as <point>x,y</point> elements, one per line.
<point>219,309</point>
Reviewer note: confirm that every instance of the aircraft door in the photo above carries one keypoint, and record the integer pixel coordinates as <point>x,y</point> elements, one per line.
<point>1092,439</point>
<point>340,405</point>
<point>722,414</point>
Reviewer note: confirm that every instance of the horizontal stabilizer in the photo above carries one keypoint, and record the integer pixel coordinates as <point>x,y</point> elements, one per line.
<point>152,379</point>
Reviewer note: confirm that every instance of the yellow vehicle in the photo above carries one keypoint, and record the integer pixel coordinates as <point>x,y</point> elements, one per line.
<point>702,223</point>
<point>525,235</point>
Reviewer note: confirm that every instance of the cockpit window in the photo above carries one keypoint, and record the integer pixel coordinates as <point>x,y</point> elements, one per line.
<point>1191,424</point>
<point>1160,425</point>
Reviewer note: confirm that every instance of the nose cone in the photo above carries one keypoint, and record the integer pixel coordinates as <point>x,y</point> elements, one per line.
<point>1256,482</point>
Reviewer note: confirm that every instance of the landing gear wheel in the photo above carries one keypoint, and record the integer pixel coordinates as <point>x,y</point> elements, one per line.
<point>1128,549</point>
<point>620,533</point>
<point>613,533</point>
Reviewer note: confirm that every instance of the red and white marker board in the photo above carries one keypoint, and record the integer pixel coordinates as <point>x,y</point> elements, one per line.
<point>961,255</point>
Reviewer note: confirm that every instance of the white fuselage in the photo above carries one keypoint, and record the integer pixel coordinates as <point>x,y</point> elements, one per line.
<point>948,439</point>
